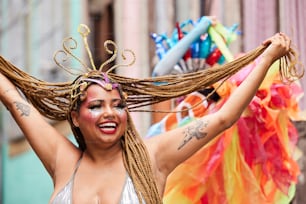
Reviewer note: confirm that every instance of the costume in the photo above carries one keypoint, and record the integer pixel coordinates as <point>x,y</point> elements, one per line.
<point>64,196</point>
<point>251,162</point>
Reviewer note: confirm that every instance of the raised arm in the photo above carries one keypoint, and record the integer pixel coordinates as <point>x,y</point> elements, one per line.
<point>43,138</point>
<point>176,146</point>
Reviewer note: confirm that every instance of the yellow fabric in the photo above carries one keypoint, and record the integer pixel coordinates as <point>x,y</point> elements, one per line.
<point>225,170</point>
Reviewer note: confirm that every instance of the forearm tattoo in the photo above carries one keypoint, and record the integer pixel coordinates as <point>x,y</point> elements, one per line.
<point>195,131</point>
<point>23,108</point>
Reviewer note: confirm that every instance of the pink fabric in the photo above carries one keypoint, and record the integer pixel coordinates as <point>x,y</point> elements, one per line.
<point>262,19</point>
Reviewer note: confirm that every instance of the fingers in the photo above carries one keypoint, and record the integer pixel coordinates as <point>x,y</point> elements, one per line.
<point>277,46</point>
<point>283,41</point>
<point>286,40</point>
<point>279,38</point>
<point>267,42</point>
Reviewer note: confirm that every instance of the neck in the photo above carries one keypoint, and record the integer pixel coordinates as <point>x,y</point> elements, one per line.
<point>104,155</point>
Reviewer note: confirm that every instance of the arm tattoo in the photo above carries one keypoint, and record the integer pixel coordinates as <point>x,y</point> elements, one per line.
<point>23,108</point>
<point>196,130</point>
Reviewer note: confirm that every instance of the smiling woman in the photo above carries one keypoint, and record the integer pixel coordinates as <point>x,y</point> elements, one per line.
<point>101,111</point>
<point>112,163</point>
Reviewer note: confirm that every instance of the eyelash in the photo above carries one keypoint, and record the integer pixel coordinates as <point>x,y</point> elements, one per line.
<point>119,106</point>
<point>94,107</point>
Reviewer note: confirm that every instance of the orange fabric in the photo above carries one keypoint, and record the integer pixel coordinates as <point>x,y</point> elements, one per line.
<point>252,162</point>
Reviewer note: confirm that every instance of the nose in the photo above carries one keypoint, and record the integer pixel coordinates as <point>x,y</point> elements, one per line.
<point>108,112</point>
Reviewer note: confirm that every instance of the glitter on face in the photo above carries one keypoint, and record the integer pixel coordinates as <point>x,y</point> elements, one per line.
<point>119,109</point>
<point>97,111</point>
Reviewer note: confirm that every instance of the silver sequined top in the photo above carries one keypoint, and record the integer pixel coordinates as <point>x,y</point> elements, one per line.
<point>128,195</point>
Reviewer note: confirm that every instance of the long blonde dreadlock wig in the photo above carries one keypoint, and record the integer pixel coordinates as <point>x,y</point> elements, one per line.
<point>56,100</point>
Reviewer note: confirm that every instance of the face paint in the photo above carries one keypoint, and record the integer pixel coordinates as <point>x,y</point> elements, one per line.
<point>119,109</point>
<point>95,112</point>
<point>100,106</point>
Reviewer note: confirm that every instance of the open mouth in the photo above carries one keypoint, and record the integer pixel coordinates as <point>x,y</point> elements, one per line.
<point>108,127</point>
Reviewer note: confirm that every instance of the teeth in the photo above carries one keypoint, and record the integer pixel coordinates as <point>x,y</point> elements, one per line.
<point>108,125</point>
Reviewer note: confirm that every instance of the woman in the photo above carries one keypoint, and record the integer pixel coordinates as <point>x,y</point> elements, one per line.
<point>112,163</point>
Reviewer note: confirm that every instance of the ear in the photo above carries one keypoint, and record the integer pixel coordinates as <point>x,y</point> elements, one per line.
<point>74,117</point>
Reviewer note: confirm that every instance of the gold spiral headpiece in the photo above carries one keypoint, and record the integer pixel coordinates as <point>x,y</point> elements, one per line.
<point>70,44</point>
<point>89,74</point>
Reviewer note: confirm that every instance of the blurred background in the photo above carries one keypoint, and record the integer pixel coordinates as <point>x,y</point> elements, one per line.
<point>32,30</point>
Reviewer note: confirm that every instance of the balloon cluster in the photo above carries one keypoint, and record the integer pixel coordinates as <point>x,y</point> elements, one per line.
<point>193,46</point>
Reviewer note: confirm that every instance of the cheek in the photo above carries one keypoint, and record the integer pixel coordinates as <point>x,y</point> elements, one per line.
<point>94,113</point>
<point>120,111</point>
<point>91,116</point>
<point>122,115</point>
